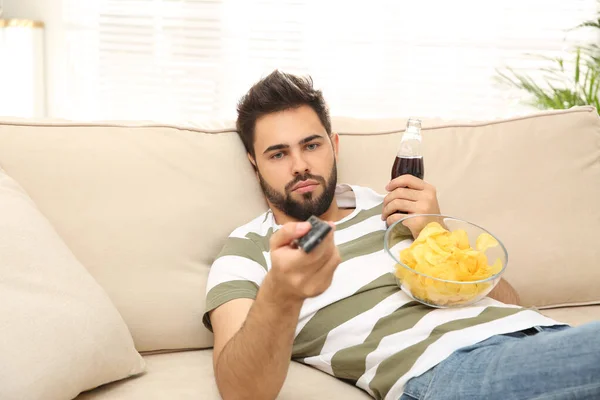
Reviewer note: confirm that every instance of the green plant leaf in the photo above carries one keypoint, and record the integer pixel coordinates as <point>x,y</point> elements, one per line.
<point>560,86</point>
<point>589,24</point>
<point>577,70</point>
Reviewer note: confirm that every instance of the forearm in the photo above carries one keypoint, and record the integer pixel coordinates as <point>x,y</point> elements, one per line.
<point>254,363</point>
<point>505,293</point>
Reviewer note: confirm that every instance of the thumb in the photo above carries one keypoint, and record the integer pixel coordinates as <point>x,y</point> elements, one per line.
<point>287,233</point>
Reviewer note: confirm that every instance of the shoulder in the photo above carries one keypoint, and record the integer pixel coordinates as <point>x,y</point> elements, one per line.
<point>260,225</point>
<point>243,251</point>
<point>250,240</point>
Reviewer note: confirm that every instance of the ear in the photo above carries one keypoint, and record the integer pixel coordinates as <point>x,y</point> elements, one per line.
<point>335,142</point>
<point>252,161</point>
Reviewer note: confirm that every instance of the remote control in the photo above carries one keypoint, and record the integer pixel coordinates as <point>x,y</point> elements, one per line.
<point>314,236</point>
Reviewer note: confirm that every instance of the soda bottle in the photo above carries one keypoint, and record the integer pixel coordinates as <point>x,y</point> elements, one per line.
<point>409,159</point>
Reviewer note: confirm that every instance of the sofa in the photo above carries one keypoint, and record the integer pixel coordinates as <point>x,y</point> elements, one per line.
<point>145,208</point>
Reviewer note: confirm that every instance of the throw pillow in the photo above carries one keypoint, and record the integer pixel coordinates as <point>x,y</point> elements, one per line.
<point>59,332</point>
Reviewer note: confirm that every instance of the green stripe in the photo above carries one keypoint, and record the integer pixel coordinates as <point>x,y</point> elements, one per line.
<point>391,369</point>
<point>350,363</point>
<point>266,216</point>
<point>261,241</point>
<point>361,216</point>
<point>366,244</point>
<point>311,339</point>
<point>243,248</point>
<point>227,291</point>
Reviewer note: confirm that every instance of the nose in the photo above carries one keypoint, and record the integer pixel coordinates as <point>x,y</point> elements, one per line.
<point>299,166</point>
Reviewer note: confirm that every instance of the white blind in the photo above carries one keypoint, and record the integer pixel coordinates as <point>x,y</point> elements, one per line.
<point>185,60</point>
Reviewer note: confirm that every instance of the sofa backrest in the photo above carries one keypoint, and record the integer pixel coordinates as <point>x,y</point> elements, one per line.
<point>146,207</point>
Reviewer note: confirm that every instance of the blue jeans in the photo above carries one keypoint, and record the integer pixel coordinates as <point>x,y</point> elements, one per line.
<point>545,363</point>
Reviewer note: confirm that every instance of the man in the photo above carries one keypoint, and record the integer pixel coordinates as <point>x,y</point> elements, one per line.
<point>338,308</point>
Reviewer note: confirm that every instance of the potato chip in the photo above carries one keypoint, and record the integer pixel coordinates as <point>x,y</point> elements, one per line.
<point>446,259</point>
<point>432,229</point>
<point>446,242</point>
<point>485,241</point>
<point>436,258</point>
<point>461,239</point>
<point>432,243</point>
<point>497,267</point>
<point>407,257</point>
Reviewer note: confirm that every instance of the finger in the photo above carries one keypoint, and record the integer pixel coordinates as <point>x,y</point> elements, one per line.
<point>396,205</point>
<point>287,233</point>
<point>406,181</point>
<point>404,194</point>
<point>393,218</point>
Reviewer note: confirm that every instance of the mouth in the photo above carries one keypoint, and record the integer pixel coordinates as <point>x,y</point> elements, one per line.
<point>305,186</point>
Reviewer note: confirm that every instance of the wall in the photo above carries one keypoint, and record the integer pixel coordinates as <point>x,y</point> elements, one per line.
<point>49,12</point>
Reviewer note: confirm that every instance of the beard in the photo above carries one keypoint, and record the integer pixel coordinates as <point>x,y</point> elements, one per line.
<point>310,205</point>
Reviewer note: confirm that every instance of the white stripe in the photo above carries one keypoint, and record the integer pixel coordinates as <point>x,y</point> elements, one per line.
<point>267,256</point>
<point>452,341</point>
<point>420,331</point>
<point>361,327</point>
<point>319,364</point>
<point>254,226</point>
<point>345,196</point>
<point>349,276</point>
<point>369,225</point>
<point>367,197</point>
<point>231,268</point>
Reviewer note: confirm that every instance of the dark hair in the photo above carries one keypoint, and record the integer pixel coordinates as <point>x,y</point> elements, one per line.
<point>277,92</point>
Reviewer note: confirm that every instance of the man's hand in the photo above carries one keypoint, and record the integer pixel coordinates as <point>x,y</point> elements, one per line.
<point>295,275</point>
<point>409,195</point>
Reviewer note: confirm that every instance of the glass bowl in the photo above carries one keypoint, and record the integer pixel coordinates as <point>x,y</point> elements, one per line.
<point>469,284</point>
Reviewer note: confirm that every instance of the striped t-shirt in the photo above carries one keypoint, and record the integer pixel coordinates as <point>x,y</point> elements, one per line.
<point>363,328</point>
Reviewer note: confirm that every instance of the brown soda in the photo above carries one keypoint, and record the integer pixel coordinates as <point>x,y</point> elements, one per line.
<point>408,166</point>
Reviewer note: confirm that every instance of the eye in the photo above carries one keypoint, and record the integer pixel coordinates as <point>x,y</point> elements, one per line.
<point>277,156</point>
<point>312,146</point>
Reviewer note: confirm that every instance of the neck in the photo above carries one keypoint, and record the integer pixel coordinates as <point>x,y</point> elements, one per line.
<point>333,213</point>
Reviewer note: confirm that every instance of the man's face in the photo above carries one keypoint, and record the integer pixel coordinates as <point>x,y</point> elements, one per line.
<point>296,162</point>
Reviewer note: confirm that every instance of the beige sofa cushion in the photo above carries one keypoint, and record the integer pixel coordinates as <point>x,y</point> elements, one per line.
<point>147,208</point>
<point>59,332</point>
<point>144,209</point>
<point>574,315</point>
<point>188,375</point>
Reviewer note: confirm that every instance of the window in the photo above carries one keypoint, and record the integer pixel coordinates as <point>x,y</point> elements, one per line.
<point>187,60</point>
